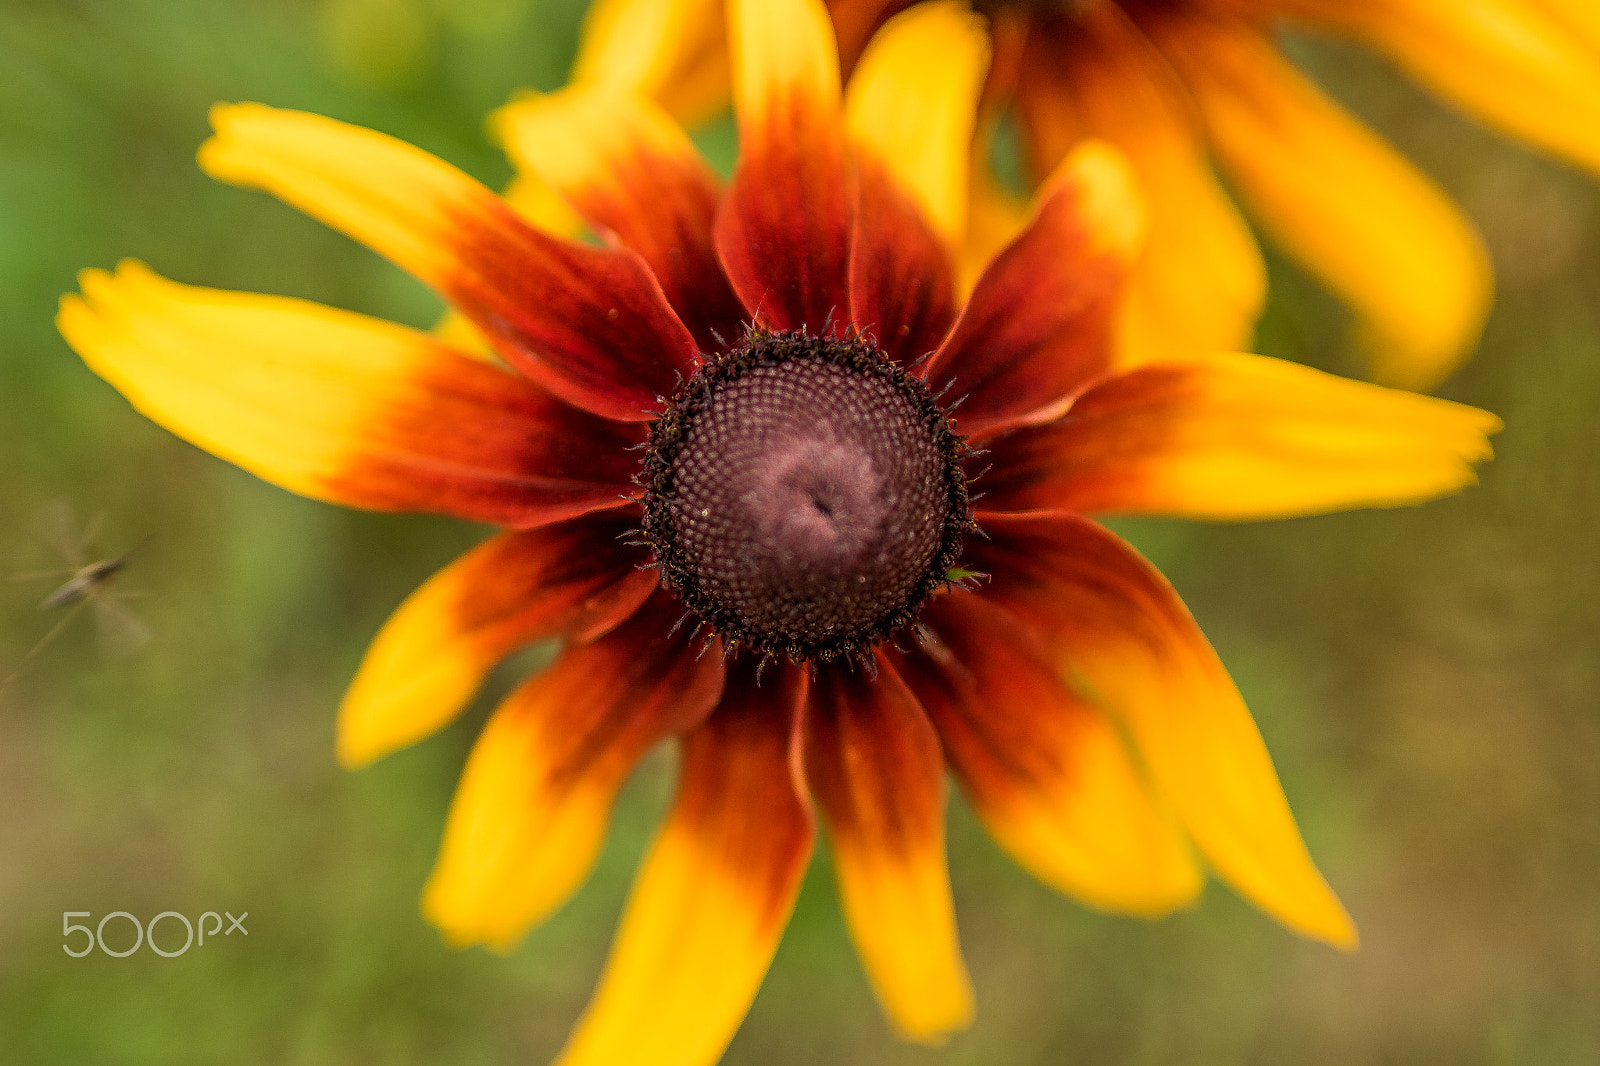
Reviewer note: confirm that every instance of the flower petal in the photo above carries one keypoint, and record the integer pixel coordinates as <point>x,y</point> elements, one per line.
<point>1238,436</point>
<point>576,579</point>
<point>917,117</point>
<point>1504,60</point>
<point>1380,233</point>
<point>1580,17</point>
<point>912,132</point>
<point>856,21</point>
<point>902,291</point>
<point>874,765</point>
<point>530,813</point>
<point>995,214</point>
<point>1116,626</point>
<point>1037,326</point>
<point>345,408</point>
<point>1201,281</point>
<point>628,168</point>
<point>715,891</point>
<point>672,51</point>
<point>543,209</point>
<point>455,330</point>
<point>783,230</point>
<point>1047,772</point>
<point>590,324</point>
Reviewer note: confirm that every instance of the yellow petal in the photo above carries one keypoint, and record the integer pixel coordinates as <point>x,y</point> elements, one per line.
<point>1504,60</point>
<point>1123,636</point>
<point>530,813</point>
<point>158,342</point>
<point>855,21</point>
<point>398,200</point>
<point>916,116</point>
<point>994,215</point>
<point>1238,437</point>
<point>633,173</point>
<point>341,407</point>
<point>1048,773</point>
<point>783,229</point>
<point>580,138</point>
<point>426,663</point>
<point>590,324</point>
<point>673,51</point>
<point>1036,330</point>
<point>543,206</point>
<point>583,141</point>
<point>1580,17</point>
<point>714,893</point>
<point>874,765</point>
<point>540,206</point>
<point>456,330</point>
<point>1382,235</point>
<point>1101,838</point>
<point>784,60</point>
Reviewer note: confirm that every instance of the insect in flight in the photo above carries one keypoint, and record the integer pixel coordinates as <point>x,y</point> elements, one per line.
<point>88,581</point>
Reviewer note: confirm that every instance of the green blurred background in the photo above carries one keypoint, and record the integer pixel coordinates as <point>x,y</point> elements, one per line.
<point>1425,678</point>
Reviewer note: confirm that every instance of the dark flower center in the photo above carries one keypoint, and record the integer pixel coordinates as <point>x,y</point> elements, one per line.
<point>804,495</point>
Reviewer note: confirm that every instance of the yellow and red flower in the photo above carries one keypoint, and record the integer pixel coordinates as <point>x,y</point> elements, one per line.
<point>759,384</point>
<point>1178,84</point>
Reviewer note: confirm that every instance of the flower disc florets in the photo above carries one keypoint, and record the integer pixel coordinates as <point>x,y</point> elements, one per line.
<point>804,495</point>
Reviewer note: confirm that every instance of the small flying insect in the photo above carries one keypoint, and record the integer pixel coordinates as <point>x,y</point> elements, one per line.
<point>86,582</point>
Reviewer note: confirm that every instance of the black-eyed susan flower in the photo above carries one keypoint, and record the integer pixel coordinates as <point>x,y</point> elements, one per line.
<point>726,448</point>
<point>1180,84</point>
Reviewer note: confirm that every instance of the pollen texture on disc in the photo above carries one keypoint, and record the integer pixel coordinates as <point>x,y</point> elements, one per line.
<point>802,492</point>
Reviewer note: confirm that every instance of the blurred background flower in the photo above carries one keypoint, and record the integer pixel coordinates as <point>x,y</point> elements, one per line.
<point>1426,679</point>
<point>1194,89</point>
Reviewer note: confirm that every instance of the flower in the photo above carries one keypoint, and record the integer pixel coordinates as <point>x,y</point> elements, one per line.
<point>726,449</point>
<point>1177,84</point>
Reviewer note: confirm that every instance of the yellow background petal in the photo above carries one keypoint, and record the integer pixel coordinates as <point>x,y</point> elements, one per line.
<point>916,113</point>
<point>575,138</point>
<point>1201,282</point>
<point>673,51</point>
<point>995,215</point>
<point>1504,60</point>
<point>781,49</point>
<point>543,206</point>
<point>1381,234</point>
<point>1581,17</point>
